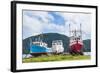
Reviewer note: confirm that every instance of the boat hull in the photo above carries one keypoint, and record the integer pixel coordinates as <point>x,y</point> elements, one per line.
<point>76,48</point>
<point>36,50</point>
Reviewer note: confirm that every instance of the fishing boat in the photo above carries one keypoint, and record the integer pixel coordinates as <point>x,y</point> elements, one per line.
<point>38,47</point>
<point>76,42</point>
<point>57,46</point>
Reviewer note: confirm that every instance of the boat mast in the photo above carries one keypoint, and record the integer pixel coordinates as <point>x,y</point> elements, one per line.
<point>69,37</point>
<point>41,37</point>
<point>69,31</point>
<point>81,31</point>
<point>30,43</point>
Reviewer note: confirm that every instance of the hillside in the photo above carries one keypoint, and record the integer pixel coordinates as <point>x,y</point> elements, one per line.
<point>48,38</point>
<point>87,45</point>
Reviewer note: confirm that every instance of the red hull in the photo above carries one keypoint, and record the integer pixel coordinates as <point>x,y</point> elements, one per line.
<point>76,47</point>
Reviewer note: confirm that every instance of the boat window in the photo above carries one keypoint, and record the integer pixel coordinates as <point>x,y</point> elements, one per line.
<point>78,38</point>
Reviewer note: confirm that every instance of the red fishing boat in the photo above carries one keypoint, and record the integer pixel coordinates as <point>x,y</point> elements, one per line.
<point>76,42</point>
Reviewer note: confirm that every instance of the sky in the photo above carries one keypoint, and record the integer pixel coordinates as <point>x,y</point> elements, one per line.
<point>37,22</point>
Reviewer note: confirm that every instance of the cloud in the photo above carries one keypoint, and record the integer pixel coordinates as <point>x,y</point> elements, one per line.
<point>33,25</point>
<point>40,15</point>
<point>37,22</point>
<point>75,19</point>
<point>57,19</point>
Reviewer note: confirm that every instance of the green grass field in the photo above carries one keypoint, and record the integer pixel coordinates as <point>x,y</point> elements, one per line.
<point>44,58</point>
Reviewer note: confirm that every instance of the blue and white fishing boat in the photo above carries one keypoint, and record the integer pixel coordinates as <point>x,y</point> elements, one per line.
<point>39,47</point>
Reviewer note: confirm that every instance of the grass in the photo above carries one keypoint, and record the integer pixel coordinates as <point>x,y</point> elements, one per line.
<point>44,58</point>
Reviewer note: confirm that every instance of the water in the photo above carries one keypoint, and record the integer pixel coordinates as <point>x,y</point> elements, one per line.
<point>26,56</point>
<point>87,53</point>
